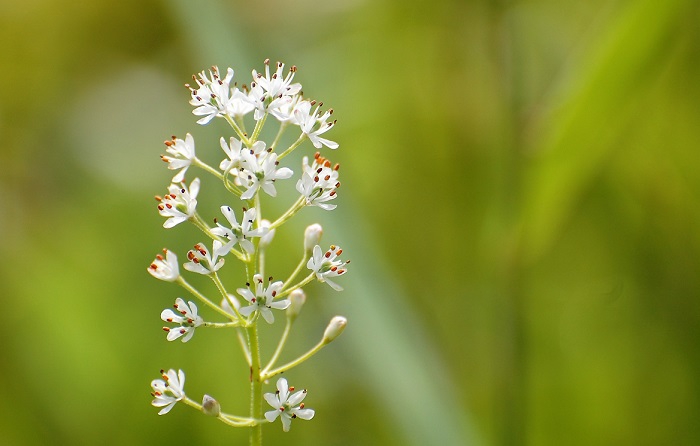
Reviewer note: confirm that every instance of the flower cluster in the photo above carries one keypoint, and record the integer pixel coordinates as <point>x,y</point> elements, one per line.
<point>251,171</point>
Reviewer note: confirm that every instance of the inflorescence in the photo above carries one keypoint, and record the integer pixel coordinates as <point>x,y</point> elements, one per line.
<point>250,168</point>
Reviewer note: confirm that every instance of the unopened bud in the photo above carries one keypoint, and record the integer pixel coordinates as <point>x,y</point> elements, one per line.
<point>312,237</point>
<point>266,239</point>
<point>297,299</point>
<point>210,406</point>
<point>335,327</point>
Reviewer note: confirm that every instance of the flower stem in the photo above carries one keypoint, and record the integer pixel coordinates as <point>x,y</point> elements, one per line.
<point>280,346</point>
<point>180,281</point>
<point>267,375</point>
<point>255,385</point>
<point>296,207</point>
<point>294,145</point>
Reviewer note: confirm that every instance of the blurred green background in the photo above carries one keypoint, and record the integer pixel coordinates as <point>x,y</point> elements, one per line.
<point>520,201</point>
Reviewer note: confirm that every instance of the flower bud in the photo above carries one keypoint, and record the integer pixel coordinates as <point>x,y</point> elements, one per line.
<point>297,299</point>
<point>266,239</point>
<point>210,406</point>
<point>312,236</point>
<point>335,327</point>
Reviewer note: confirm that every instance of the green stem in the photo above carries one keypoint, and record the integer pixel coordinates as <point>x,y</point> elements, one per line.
<point>296,207</point>
<point>269,374</point>
<point>220,286</point>
<point>255,385</point>
<point>199,163</point>
<point>298,269</point>
<point>283,126</point>
<point>280,346</point>
<point>180,281</point>
<point>241,134</point>
<point>288,291</point>
<point>258,127</point>
<point>294,145</point>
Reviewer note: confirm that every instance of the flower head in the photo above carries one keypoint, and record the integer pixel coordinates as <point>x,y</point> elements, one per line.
<point>239,233</point>
<point>165,268</point>
<point>313,123</point>
<point>270,92</point>
<point>205,262</point>
<point>287,405</point>
<point>179,204</point>
<point>212,95</point>
<point>186,316</point>
<point>260,171</point>
<point>181,156</point>
<point>326,267</point>
<point>318,182</point>
<point>262,299</point>
<point>168,391</point>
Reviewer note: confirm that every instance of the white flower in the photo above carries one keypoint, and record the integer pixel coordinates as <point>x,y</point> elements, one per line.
<point>260,172</point>
<point>186,316</point>
<point>239,233</point>
<point>182,155</point>
<point>287,406</point>
<point>240,104</point>
<point>233,152</point>
<point>165,268</point>
<point>212,96</point>
<point>308,121</point>
<point>206,262</point>
<point>326,267</point>
<point>168,391</point>
<point>318,182</point>
<point>263,300</point>
<point>269,93</point>
<point>179,204</point>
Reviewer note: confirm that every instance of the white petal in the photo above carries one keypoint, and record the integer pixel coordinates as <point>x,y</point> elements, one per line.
<point>272,415</point>
<point>305,414</point>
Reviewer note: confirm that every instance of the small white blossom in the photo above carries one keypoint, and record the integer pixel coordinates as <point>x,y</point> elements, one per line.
<point>326,267</point>
<point>287,405</point>
<point>186,316</point>
<point>212,95</point>
<point>179,204</point>
<point>239,233</point>
<point>233,152</point>
<point>263,299</point>
<point>165,268</point>
<point>182,154</point>
<point>318,182</point>
<point>313,124</point>
<point>168,391</point>
<point>269,93</point>
<point>260,172</point>
<point>205,262</point>
<point>240,104</point>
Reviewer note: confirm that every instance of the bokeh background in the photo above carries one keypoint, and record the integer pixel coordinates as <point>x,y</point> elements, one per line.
<point>520,202</point>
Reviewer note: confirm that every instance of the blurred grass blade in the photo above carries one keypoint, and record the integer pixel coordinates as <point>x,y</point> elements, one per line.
<point>582,134</point>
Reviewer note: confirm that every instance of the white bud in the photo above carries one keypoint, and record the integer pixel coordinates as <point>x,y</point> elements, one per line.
<point>297,299</point>
<point>335,327</point>
<point>210,406</point>
<point>266,239</point>
<point>312,237</point>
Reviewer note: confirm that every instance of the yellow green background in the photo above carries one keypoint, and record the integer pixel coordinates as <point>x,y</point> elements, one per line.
<point>520,202</point>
